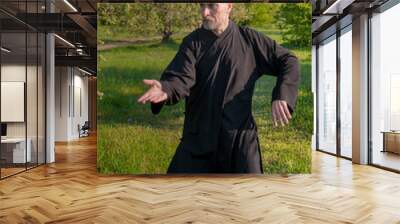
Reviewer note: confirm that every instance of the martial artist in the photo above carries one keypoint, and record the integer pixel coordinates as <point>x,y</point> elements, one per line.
<point>215,71</point>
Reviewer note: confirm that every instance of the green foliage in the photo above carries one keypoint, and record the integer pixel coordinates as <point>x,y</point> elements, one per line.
<point>163,19</point>
<point>295,22</point>
<point>262,14</point>
<point>150,18</point>
<point>240,14</point>
<point>131,20</point>
<point>108,13</point>
<point>169,18</point>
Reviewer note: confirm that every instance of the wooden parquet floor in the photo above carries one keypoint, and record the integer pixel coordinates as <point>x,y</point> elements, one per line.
<point>70,191</point>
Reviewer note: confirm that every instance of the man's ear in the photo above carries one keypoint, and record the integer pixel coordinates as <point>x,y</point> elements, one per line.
<point>230,6</point>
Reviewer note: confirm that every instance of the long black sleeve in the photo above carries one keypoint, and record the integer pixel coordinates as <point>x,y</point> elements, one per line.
<point>273,59</point>
<point>180,75</point>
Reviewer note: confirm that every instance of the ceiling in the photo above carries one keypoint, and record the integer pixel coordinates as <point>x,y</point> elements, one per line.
<point>74,22</point>
<point>327,15</point>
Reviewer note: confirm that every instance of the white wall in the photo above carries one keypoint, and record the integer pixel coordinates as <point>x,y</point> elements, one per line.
<point>71,87</point>
<point>33,126</point>
<point>80,94</point>
<point>14,73</point>
<point>9,73</point>
<point>62,81</point>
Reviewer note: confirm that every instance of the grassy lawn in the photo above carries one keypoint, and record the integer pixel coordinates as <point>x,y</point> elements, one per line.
<point>132,140</point>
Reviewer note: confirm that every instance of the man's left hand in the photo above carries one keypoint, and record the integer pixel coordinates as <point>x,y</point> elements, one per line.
<point>280,113</point>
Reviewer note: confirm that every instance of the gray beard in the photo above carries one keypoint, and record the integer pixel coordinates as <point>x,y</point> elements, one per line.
<point>209,25</point>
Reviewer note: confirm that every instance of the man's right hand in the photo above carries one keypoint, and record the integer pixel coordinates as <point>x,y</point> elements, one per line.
<point>154,94</point>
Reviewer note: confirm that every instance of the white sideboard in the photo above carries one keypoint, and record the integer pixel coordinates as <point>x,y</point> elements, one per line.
<point>18,149</point>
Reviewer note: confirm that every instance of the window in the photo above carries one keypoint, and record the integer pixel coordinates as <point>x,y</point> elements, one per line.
<point>22,88</point>
<point>346,75</point>
<point>385,88</point>
<point>327,95</point>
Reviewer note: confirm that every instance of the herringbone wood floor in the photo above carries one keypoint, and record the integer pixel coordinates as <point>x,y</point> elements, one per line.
<point>70,191</point>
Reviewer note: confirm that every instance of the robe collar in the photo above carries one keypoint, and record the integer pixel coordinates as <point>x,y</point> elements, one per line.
<point>227,31</point>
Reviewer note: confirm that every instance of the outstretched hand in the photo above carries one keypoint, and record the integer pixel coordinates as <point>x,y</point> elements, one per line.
<point>155,94</point>
<point>280,113</point>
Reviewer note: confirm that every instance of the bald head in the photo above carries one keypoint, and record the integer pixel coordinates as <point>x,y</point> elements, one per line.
<point>215,16</point>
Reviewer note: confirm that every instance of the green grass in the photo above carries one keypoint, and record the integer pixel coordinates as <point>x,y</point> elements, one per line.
<point>132,140</point>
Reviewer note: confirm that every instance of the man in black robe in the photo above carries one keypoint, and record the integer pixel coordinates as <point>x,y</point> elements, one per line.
<point>215,70</point>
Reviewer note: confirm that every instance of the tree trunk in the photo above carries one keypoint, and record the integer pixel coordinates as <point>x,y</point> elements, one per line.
<point>166,36</point>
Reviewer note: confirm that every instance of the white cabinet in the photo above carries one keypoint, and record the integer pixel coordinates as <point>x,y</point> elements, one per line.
<point>17,146</point>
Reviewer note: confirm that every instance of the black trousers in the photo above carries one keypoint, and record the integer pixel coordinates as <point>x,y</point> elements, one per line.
<point>237,152</point>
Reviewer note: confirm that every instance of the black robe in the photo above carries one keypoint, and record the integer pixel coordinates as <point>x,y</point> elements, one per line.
<point>216,75</point>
